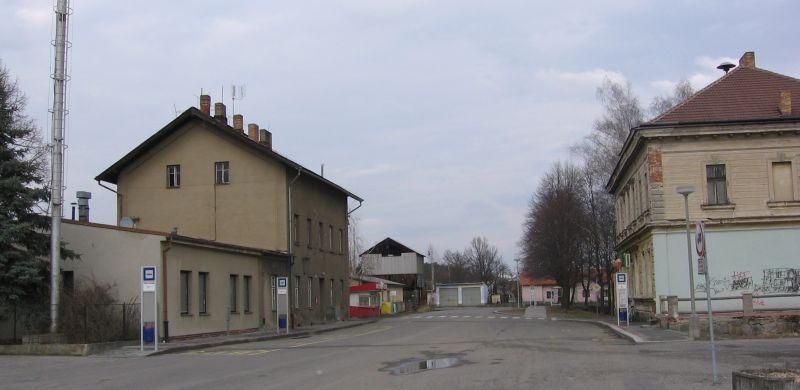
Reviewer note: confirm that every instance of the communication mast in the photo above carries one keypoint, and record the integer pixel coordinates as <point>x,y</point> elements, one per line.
<point>59,76</point>
<point>237,93</point>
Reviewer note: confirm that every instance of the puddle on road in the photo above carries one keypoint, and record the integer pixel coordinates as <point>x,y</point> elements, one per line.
<point>416,366</point>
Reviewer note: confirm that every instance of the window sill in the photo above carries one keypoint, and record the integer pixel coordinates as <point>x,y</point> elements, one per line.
<point>248,312</point>
<point>173,188</point>
<point>234,312</point>
<point>186,314</point>
<point>727,206</point>
<point>205,315</point>
<point>783,203</point>
<point>222,184</point>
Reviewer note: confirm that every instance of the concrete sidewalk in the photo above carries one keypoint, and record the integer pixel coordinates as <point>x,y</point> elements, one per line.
<point>638,333</point>
<point>176,346</point>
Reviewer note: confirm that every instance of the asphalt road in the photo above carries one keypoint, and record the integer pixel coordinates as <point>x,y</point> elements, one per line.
<point>453,349</point>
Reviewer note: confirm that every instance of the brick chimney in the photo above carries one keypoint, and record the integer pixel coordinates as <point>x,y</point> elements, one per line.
<point>252,131</point>
<point>219,113</point>
<point>238,122</point>
<point>785,104</point>
<point>265,138</point>
<point>205,104</point>
<point>748,60</point>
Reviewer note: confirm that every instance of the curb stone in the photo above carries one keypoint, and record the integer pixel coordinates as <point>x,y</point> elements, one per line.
<point>220,343</point>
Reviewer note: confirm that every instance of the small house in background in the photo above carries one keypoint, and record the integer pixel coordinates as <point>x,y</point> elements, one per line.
<point>398,263</point>
<point>461,294</point>
<point>539,290</point>
<point>371,296</point>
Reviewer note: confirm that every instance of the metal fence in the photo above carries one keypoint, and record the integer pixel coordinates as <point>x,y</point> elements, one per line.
<point>78,323</point>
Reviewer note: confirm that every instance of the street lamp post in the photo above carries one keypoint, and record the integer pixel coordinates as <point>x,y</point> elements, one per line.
<point>694,322</point>
<point>519,292</point>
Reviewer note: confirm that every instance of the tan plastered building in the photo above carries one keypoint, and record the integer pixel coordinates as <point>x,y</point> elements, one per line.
<point>203,286</point>
<point>202,178</point>
<point>737,143</point>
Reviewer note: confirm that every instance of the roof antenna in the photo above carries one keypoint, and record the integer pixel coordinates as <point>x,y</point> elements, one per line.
<point>726,66</point>
<point>237,93</point>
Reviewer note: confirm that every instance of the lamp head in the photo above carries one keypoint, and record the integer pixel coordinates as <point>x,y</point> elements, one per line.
<point>685,190</point>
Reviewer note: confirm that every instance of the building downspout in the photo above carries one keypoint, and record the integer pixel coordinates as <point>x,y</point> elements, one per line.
<point>164,279</point>
<point>119,199</point>
<point>290,246</point>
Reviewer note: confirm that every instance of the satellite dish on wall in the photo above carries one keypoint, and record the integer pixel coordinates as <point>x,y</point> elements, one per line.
<point>126,222</point>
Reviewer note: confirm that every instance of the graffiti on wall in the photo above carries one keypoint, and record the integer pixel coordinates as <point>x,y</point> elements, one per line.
<point>773,281</point>
<point>781,280</point>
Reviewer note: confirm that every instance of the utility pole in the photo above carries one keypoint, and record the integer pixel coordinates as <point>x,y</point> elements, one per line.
<point>57,159</point>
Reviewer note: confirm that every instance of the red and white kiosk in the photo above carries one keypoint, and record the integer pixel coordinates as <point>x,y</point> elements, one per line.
<point>365,299</point>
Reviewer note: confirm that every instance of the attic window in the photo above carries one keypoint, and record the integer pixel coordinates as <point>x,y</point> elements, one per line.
<point>173,176</point>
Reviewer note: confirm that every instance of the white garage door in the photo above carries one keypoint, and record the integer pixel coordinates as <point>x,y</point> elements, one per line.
<point>471,296</point>
<point>448,296</point>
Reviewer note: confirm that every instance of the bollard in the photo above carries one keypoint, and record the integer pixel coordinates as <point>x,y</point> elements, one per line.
<point>747,304</point>
<point>672,304</point>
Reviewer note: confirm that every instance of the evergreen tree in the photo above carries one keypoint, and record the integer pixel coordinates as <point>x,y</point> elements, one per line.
<point>24,226</point>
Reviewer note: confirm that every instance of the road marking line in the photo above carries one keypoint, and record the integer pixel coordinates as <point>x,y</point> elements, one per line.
<point>417,316</point>
<point>466,316</point>
<point>263,351</point>
<point>540,318</point>
<point>429,316</point>
<point>453,316</point>
<point>491,317</point>
<point>442,316</point>
<point>502,318</point>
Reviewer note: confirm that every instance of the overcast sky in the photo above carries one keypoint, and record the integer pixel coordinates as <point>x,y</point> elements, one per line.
<point>442,115</point>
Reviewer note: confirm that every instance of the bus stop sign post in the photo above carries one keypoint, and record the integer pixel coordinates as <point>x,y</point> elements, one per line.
<point>702,251</point>
<point>148,299</point>
<point>622,297</point>
<point>283,304</point>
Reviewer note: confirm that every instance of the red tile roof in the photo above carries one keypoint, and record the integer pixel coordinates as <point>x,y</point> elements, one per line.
<point>527,279</point>
<point>742,94</point>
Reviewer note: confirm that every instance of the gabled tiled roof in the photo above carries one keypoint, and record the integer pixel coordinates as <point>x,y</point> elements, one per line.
<point>742,94</point>
<point>527,279</point>
<point>111,174</point>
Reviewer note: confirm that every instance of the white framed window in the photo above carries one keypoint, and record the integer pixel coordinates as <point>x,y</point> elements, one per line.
<point>202,292</point>
<point>185,277</point>
<point>296,292</point>
<point>782,185</point>
<point>273,280</point>
<point>233,292</point>
<point>321,233</point>
<point>173,176</point>
<point>308,232</point>
<point>246,293</point>
<point>309,292</point>
<point>222,172</point>
<point>716,184</point>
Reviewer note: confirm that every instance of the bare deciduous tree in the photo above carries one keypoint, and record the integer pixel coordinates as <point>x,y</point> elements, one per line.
<point>555,227</point>
<point>484,263</point>
<point>661,104</point>
<point>355,245</point>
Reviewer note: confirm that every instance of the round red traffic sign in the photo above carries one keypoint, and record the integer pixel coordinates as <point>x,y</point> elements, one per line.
<point>700,238</point>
